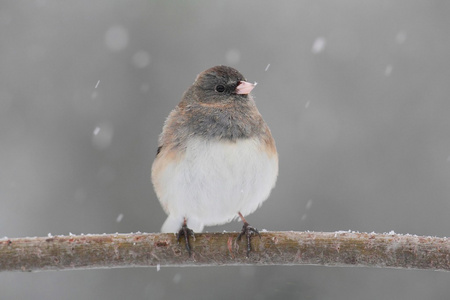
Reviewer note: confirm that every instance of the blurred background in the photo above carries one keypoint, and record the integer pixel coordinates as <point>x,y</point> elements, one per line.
<point>356,94</point>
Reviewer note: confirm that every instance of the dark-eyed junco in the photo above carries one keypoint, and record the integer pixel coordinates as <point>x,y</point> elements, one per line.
<point>216,158</point>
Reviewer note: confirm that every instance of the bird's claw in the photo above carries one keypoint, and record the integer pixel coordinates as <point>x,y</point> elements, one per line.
<point>186,232</point>
<point>248,231</point>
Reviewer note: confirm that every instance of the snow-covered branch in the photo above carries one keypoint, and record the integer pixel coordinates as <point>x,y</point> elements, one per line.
<point>213,249</point>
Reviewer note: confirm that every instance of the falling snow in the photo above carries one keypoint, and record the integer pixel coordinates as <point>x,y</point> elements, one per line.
<point>318,45</point>
<point>141,59</point>
<point>388,70</point>
<point>119,218</point>
<point>177,278</point>
<point>94,95</point>
<point>233,56</point>
<point>400,38</point>
<point>116,38</point>
<point>102,136</point>
<point>267,68</point>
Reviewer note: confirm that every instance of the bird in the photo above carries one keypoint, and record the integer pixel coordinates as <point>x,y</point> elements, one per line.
<point>216,160</point>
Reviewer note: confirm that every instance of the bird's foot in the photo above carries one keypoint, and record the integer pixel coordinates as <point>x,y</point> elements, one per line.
<point>248,231</point>
<point>186,232</point>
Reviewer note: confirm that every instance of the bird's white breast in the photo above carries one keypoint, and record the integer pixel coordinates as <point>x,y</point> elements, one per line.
<point>216,179</point>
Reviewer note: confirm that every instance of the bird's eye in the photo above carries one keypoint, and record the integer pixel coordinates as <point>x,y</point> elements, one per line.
<point>220,88</point>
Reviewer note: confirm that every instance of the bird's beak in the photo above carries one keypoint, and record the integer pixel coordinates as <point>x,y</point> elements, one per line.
<point>244,87</point>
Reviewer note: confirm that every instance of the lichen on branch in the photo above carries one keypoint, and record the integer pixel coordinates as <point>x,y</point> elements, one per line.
<point>215,249</point>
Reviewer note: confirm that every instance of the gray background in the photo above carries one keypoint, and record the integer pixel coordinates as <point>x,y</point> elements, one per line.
<point>356,95</point>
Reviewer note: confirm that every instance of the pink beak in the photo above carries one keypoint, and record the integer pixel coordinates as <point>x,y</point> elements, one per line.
<point>244,87</point>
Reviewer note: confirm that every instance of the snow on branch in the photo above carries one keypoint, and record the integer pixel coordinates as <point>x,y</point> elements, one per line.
<point>220,249</point>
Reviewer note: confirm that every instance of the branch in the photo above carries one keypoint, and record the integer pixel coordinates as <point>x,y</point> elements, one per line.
<point>214,249</point>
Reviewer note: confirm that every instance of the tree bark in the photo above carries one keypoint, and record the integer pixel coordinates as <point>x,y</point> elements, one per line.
<point>217,249</point>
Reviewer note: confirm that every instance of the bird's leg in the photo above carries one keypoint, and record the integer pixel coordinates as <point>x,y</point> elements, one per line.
<point>248,231</point>
<point>186,232</point>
